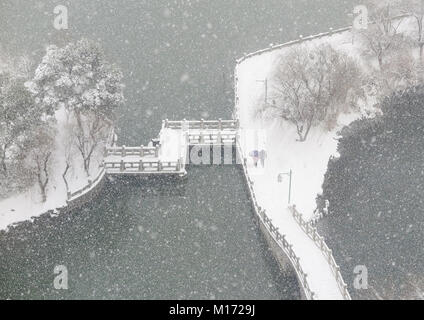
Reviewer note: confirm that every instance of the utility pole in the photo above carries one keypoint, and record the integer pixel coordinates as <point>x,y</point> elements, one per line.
<point>265,82</point>
<point>280,179</point>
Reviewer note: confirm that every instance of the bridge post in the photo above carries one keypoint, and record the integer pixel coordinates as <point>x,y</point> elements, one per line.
<point>123,151</point>
<point>304,277</point>
<point>178,165</point>
<point>166,123</point>
<point>141,151</point>
<point>122,166</point>
<point>219,138</point>
<point>159,165</point>
<point>187,138</point>
<point>202,123</point>
<point>157,151</point>
<point>140,165</point>
<point>220,124</point>
<point>202,137</point>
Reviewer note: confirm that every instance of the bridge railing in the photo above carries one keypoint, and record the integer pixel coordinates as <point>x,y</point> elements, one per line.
<point>143,166</point>
<point>213,138</point>
<point>319,241</point>
<point>279,238</point>
<point>124,151</point>
<point>201,124</point>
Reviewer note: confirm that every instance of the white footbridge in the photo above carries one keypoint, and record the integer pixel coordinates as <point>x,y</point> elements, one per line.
<point>169,154</point>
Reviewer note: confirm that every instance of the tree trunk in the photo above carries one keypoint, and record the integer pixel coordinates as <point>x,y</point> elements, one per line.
<point>380,61</point>
<point>43,184</point>
<point>64,177</point>
<point>3,161</point>
<point>87,166</point>
<point>43,191</point>
<point>3,165</point>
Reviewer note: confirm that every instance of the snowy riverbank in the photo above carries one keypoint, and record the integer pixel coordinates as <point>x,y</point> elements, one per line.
<point>28,204</point>
<point>307,160</point>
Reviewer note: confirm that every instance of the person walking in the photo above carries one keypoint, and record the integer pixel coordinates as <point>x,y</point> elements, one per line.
<point>262,157</point>
<point>255,156</point>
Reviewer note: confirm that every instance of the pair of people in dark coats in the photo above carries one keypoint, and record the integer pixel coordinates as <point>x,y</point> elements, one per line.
<point>258,155</point>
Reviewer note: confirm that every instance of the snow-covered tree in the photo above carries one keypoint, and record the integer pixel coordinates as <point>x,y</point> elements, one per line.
<point>314,86</point>
<point>91,131</point>
<point>80,79</point>
<point>415,8</point>
<point>402,72</point>
<point>18,114</point>
<point>382,35</point>
<point>38,155</point>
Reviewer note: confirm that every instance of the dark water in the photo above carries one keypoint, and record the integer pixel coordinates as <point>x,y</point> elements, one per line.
<point>149,241</point>
<point>178,59</point>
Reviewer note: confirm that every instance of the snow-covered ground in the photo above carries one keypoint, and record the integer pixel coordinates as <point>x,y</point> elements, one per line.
<point>307,160</point>
<point>25,205</point>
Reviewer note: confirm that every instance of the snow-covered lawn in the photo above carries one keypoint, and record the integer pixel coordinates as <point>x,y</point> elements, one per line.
<point>307,160</point>
<point>23,206</point>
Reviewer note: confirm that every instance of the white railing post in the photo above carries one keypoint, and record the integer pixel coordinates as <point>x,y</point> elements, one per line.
<point>122,166</point>
<point>159,165</point>
<point>123,151</point>
<point>220,124</point>
<point>157,151</point>
<point>140,165</point>
<point>141,151</point>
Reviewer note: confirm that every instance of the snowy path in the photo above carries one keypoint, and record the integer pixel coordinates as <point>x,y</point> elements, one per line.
<point>273,197</point>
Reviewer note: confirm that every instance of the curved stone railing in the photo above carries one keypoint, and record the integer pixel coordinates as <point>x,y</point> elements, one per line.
<point>91,185</point>
<point>313,234</point>
<point>279,238</point>
<point>301,39</point>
